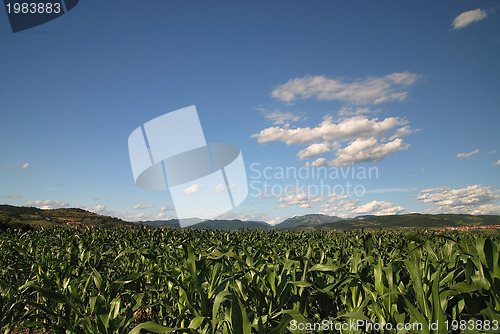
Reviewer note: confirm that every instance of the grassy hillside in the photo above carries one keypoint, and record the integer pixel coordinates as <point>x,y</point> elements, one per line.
<point>412,221</point>
<point>306,221</point>
<point>58,217</point>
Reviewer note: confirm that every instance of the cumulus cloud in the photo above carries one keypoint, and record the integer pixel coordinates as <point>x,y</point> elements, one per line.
<point>467,18</point>
<point>367,139</point>
<point>351,208</point>
<point>346,129</point>
<point>363,150</point>
<point>315,150</point>
<point>369,90</point>
<point>191,190</point>
<point>496,163</point>
<point>341,208</point>
<point>402,132</point>
<point>166,208</point>
<point>378,208</point>
<point>467,155</point>
<point>487,209</point>
<point>469,200</point>
<point>14,196</point>
<point>48,204</point>
<point>301,200</point>
<point>339,205</point>
<point>142,207</point>
<point>279,117</point>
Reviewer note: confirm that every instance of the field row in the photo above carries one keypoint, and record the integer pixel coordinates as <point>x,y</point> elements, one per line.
<point>170,281</point>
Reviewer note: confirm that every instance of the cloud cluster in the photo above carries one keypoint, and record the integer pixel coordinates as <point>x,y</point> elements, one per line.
<point>132,217</point>
<point>351,208</point>
<point>337,205</point>
<point>47,204</point>
<point>378,208</point>
<point>301,200</point>
<point>474,199</point>
<point>354,137</point>
<point>346,129</point>
<point>363,150</point>
<point>368,140</point>
<point>467,155</point>
<point>467,18</point>
<point>369,90</point>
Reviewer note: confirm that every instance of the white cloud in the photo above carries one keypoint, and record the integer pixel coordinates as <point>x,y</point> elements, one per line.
<point>378,209</point>
<point>14,196</point>
<point>220,188</point>
<point>26,165</point>
<point>349,111</point>
<point>468,200</point>
<point>315,150</point>
<point>467,18</point>
<point>301,200</point>
<point>131,217</point>
<point>191,190</point>
<point>467,155</point>
<point>142,207</point>
<point>492,152</point>
<point>166,208</point>
<point>367,139</point>
<point>278,117</point>
<point>340,209</point>
<point>347,129</point>
<point>402,132</point>
<point>363,150</point>
<point>496,163</point>
<point>351,208</point>
<point>369,90</point>
<point>48,204</point>
<point>487,209</point>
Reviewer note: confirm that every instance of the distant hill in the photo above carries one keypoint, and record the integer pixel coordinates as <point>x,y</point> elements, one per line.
<point>232,225</point>
<point>73,217</point>
<point>411,221</point>
<point>216,224</point>
<point>312,220</point>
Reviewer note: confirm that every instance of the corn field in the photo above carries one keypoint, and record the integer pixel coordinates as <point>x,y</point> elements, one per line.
<point>62,280</point>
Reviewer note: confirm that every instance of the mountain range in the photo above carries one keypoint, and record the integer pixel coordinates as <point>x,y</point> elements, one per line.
<point>73,217</point>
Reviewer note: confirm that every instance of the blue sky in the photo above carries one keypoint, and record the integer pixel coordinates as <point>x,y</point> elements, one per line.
<point>407,89</point>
